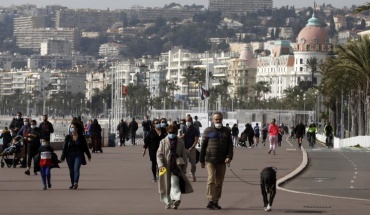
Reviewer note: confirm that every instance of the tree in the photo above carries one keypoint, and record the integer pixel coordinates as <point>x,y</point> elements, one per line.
<point>363,8</point>
<point>313,64</point>
<point>261,87</point>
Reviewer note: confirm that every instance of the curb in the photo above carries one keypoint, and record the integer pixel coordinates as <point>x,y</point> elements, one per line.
<point>295,173</point>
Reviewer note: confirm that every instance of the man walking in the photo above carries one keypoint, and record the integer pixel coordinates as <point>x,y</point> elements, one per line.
<point>300,131</point>
<point>191,137</point>
<point>46,127</point>
<point>216,152</point>
<point>132,127</point>
<point>256,130</point>
<point>197,124</point>
<point>122,132</point>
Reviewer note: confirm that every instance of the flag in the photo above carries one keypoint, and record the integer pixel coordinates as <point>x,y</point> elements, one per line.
<point>203,93</point>
<point>314,5</point>
<point>124,90</point>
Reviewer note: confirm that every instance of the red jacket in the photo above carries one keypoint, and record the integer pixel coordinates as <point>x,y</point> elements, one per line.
<point>273,129</point>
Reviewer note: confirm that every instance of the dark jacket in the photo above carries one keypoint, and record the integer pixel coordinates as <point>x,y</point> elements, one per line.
<point>82,147</point>
<point>16,123</point>
<point>46,129</point>
<point>235,130</point>
<point>132,127</point>
<point>146,124</point>
<point>216,146</point>
<point>7,138</point>
<point>300,129</point>
<point>95,130</point>
<point>122,129</point>
<point>33,138</point>
<point>151,142</point>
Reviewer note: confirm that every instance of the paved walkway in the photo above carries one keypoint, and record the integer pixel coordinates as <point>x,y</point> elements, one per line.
<point>119,182</point>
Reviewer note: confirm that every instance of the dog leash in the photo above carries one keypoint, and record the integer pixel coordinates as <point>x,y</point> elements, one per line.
<point>228,165</point>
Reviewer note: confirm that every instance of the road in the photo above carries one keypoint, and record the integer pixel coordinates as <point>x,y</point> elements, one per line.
<point>335,172</point>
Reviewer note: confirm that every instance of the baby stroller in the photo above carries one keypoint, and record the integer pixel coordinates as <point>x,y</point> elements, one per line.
<point>13,155</point>
<point>243,140</point>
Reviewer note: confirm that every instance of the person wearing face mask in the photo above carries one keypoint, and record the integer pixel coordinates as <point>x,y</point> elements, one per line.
<point>172,159</point>
<point>191,137</point>
<point>151,142</point>
<point>74,150</point>
<point>46,127</point>
<point>164,123</point>
<point>33,145</point>
<point>182,127</point>
<point>216,152</point>
<point>16,124</point>
<point>25,129</point>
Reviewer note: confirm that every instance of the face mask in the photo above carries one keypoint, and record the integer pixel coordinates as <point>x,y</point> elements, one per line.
<point>172,136</point>
<point>33,126</point>
<point>157,125</point>
<point>72,130</point>
<point>188,124</point>
<point>218,125</point>
<point>25,123</point>
<point>18,117</point>
<point>163,124</point>
<point>44,143</point>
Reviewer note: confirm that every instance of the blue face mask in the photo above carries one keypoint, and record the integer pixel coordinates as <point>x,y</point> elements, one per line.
<point>172,136</point>
<point>157,125</point>
<point>182,126</point>
<point>72,130</point>
<point>163,125</point>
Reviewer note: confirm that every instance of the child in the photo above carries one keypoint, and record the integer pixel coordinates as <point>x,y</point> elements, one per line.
<point>48,159</point>
<point>15,145</point>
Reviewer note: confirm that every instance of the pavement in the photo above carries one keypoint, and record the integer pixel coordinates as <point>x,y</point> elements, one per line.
<point>119,181</point>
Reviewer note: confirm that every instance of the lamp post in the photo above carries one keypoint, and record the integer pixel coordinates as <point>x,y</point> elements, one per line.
<point>304,106</point>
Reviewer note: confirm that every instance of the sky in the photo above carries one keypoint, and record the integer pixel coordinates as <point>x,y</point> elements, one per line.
<point>126,4</point>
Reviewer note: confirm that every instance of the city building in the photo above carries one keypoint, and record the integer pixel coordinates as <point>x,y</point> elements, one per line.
<point>22,23</point>
<point>33,37</point>
<point>229,7</point>
<point>151,14</point>
<point>87,19</point>
<point>60,61</point>
<point>56,47</point>
<point>95,81</point>
<point>110,49</point>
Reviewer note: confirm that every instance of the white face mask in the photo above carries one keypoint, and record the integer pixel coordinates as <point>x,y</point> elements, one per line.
<point>188,124</point>
<point>218,125</point>
<point>25,123</point>
<point>33,126</point>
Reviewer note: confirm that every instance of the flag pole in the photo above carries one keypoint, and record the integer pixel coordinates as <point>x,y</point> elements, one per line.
<point>207,82</point>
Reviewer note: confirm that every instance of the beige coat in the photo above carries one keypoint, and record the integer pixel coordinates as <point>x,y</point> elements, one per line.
<point>163,158</point>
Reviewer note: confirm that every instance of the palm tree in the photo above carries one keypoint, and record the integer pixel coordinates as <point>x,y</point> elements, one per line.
<point>313,64</point>
<point>261,87</point>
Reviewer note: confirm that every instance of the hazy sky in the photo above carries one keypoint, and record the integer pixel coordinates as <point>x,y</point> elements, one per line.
<point>124,4</point>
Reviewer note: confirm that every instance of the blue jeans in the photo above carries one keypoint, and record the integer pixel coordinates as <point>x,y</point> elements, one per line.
<point>45,174</point>
<point>74,163</point>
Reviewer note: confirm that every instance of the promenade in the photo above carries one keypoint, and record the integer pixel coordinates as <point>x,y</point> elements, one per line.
<point>119,182</point>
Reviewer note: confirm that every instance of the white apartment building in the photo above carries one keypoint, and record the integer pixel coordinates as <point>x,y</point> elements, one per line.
<point>229,7</point>
<point>33,37</point>
<point>30,22</point>
<point>110,49</point>
<point>55,47</point>
<point>95,80</point>
<point>59,62</point>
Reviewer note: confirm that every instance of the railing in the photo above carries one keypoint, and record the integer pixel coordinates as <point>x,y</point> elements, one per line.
<point>363,141</point>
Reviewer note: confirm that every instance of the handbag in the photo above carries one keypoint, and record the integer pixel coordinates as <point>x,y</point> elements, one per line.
<point>180,161</point>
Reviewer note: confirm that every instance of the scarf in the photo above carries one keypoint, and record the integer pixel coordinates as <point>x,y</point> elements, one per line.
<point>173,155</point>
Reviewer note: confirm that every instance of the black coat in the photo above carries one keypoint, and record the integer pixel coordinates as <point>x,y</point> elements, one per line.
<point>16,123</point>
<point>7,138</point>
<point>95,130</point>
<point>151,142</point>
<point>82,147</point>
<point>132,127</point>
<point>46,129</point>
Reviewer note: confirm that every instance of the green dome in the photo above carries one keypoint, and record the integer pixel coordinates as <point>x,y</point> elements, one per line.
<point>313,21</point>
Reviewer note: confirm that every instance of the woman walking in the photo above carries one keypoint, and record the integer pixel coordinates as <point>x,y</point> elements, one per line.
<point>74,148</point>
<point>273,135</point>
<point>151,142</point>
<point>172,159</point>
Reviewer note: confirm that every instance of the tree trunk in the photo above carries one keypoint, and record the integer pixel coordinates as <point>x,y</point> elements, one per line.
<point>361,115</point>
<point>354,115</point>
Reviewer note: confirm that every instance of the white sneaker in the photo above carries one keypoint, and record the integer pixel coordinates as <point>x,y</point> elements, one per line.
<point>265,209</point>
<point>268,208</point>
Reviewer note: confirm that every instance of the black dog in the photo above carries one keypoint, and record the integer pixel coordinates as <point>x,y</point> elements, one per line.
<point>268,186</point>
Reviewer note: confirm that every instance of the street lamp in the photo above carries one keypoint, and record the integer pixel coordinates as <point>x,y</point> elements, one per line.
<point>304,106</point>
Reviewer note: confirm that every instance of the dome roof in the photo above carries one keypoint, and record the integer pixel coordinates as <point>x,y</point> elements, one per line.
<point>313,34</point>
<point>246,54</point>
